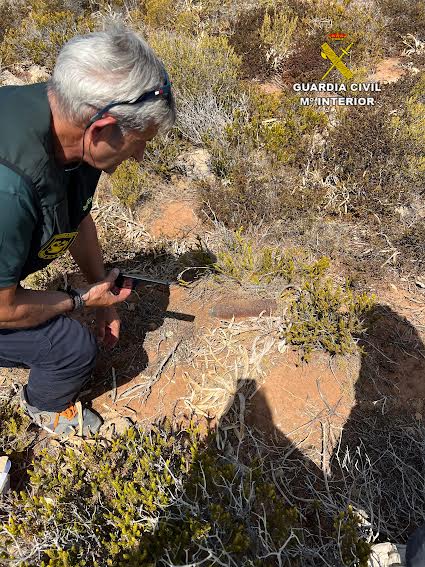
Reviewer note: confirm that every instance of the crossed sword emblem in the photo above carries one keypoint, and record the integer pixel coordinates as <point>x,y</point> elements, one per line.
<point>336,60</point>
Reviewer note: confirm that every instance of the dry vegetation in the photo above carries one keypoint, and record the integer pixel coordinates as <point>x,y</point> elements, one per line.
<point>330,200</point>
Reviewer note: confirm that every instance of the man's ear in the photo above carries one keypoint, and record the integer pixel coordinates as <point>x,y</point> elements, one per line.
<point>102,128</point>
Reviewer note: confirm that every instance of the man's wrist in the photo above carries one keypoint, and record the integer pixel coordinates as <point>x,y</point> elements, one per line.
<point>76,297</point>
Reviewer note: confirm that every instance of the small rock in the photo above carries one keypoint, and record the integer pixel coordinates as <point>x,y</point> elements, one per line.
<point>8,78</point>
<point>196,164</point>
<point>37,74</point>
<point>117,425</point>
<point>387,555</point>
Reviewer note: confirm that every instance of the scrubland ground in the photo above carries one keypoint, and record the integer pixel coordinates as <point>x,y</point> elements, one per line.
<point>267,408</point>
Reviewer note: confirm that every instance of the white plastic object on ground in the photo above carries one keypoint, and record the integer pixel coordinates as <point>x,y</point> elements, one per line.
<point>388,555</point>
<point>5,465</point>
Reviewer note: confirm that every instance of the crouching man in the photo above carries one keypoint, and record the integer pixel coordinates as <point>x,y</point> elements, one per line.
<point>108,96</point>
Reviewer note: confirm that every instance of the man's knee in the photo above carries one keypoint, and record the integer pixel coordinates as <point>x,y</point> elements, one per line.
<point>73,345</point>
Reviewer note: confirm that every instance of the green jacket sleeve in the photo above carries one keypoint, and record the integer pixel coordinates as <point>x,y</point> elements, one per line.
<point>18,218</point>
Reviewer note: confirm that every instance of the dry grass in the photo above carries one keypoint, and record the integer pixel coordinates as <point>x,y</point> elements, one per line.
<point>229,355</point>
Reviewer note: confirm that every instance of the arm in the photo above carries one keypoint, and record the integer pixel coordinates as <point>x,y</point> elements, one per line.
<point>86,251</point>
<point>23,308</point>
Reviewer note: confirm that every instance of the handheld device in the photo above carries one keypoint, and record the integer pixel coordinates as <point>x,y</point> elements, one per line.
<point>138,279</point>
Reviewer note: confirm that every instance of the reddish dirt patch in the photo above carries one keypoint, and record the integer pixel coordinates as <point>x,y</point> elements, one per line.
<point>176,219</point>
<point>139,358</point>
<point>295,398</point>
<point>270,88</point>
<point>388,71</point>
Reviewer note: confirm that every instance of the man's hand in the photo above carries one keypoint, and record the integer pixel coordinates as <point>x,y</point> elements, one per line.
<point>100,295</point>
<point>108,326</point>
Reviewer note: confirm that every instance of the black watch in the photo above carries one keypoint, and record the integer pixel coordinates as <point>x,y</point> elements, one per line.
<point>77,300</point>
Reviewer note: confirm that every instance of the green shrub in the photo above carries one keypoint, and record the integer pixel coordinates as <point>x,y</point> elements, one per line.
<point>162,153</point>
<point>277,30</point>
<point>353,548</point>
<point>276,124</point>
<point>375,156</point>
<point>403,17</point>
<point>198,64</point>
<point>129,182</point>
<point>408,129</point>
<point>321,314</point>
<point>150,496</point>
<point>42,33</point>
<point>245,262</point>
<point>326,316</point>
<point>13,428</point>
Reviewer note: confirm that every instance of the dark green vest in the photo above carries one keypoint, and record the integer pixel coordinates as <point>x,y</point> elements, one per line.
<point>62,199</point>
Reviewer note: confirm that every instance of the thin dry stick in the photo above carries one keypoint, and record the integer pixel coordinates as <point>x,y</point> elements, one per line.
<point>114,386</point>
<point>150,380</point>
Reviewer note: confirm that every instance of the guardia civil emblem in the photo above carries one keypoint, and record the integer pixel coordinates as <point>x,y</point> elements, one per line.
<point>57,245</point>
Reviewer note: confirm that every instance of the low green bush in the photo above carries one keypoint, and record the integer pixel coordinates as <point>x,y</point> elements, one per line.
<point>198,64</point>
<point>149,497</point>
<point>41,33</point>
<point>129,183</point>
<point>14,425</point>
<point>276,124</point>
<point>321,315</point>
<point>164,495</point>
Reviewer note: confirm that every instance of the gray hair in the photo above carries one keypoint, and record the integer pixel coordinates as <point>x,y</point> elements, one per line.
<point>113,65</point>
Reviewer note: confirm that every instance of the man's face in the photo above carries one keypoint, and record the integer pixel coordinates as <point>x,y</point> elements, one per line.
<point>108,148</point>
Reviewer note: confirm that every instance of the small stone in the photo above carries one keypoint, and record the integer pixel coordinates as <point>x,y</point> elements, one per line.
<point>37,74</point>
<point>8,78</point>
<point>116,426</point>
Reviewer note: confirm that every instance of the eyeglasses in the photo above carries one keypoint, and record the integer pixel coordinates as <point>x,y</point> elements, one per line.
<point>164,91</point>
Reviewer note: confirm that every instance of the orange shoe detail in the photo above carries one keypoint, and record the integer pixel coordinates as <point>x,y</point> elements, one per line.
<point>69,413</point>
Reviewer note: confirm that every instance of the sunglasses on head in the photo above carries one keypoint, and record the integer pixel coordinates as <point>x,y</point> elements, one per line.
<point>164,91</point>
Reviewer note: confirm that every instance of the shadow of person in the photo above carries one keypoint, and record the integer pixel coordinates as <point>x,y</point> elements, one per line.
<point>229,489</point>
<point>379,463</point>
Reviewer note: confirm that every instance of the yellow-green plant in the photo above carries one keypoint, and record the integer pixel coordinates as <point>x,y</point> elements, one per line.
<point>129,182</point>
<point>408,127</point>
<point>40,35</point>
<point>321,314</point>
<point>245,261</point>
<point>277,33</point>
<point>326,316</point>
<point>198,64</point>
<point>355,550</point>
<point>160,13</point>
<point>150,496</point>
<point>14,424</point>
<point>276,124</point>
